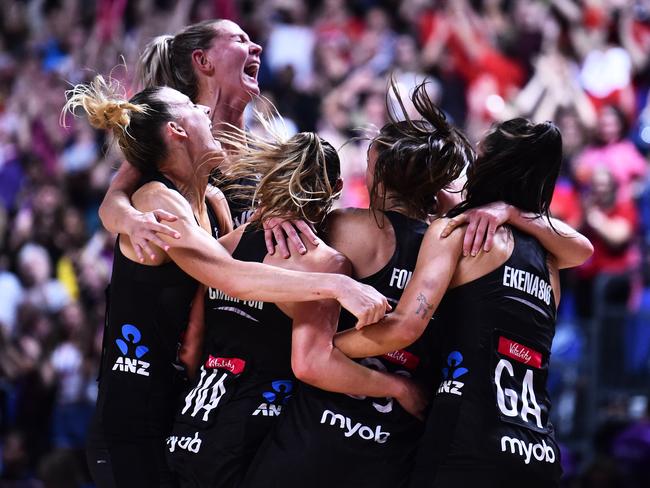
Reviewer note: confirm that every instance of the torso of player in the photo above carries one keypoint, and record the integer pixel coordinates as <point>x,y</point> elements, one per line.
<point>383,249</point>
<point>497,322</point>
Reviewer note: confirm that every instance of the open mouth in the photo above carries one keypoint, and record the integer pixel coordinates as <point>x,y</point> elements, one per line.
<point>251,70</point>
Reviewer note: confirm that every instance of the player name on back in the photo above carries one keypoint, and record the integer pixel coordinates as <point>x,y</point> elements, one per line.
<point>528,283</point>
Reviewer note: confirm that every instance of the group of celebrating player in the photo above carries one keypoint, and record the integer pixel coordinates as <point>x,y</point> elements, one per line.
<point>227,363</point>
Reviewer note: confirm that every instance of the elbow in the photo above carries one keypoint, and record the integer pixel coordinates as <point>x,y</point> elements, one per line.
<point>306,369</point>
<point>408,335</point>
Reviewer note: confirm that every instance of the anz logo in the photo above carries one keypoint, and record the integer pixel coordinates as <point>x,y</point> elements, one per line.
<point>275,399</point>
<point>451,373</point>
<point>132,352</point>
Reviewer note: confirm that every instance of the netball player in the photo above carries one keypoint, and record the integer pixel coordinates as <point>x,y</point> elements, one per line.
<point>245,378</point>
<point>168,138</point>
<point>369,440</point>
<point>215,64</point>
<point>489,423</point>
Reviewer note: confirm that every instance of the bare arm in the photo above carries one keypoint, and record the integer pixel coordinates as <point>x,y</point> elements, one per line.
<point>435,268</point>
<point>190,353</point>
<point>203,258</point>
<point>120,217</point>
<point>569,247</point>
<point>316,361</point>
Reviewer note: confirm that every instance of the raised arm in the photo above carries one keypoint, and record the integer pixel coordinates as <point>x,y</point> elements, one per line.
<point>569,247</point>
<point>316,361</point>
<point>202,257</point>
<point>435,268</point>
<point>120,217</point>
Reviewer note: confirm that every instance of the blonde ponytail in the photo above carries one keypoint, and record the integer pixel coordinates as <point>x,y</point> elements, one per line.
<point>105,104</point>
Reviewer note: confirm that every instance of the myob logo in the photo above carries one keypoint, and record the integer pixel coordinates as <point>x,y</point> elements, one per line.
<point>540,452</point>
<point>345,423</point>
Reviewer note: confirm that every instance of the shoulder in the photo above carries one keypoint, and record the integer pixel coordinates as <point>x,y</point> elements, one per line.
<point>155,195</point>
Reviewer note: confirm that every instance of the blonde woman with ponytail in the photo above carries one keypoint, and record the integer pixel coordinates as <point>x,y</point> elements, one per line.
<point>168,139</point>
<point>215,64</point>
<point>252,350</point>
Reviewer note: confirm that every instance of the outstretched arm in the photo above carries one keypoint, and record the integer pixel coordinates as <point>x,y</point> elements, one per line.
<point>120,217</point>
<point>435,268</point>
<point>203,258</point>
<point>569,247</point>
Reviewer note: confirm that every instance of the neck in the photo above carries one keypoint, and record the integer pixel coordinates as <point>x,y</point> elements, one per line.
<point>394,204</point>
<point>226,112</point>
<point>191,182</point>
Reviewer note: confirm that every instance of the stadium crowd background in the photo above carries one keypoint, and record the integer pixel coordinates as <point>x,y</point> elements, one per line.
<point>584,64</point>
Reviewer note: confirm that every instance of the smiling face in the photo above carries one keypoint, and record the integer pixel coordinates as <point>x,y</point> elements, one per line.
<point>236,60</point>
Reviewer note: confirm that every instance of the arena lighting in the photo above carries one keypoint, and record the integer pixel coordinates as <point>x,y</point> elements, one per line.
<point>645,134</point>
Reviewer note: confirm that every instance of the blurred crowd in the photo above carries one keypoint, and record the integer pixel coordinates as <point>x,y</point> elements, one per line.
<point>585,64</point>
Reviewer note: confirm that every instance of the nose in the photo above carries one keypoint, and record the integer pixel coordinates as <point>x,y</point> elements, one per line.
<point>205,109</point>
<point>255,49</point>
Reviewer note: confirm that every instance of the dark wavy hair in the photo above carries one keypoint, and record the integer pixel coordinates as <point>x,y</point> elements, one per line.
<point>519,163</point>
<point>416,158</point>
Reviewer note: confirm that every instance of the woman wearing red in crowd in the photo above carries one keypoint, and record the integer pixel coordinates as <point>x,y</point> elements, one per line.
<point>613,151</point>
<point>215,64</point>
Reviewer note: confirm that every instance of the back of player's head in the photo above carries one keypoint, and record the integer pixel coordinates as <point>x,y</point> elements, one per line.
<point>299,176</point>
<point>416,158</point>
<point>137,124</point>
<point>518,163</point>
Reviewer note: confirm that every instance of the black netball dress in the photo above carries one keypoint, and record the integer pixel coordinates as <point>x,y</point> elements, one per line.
<point>489,423</point>
<point>139,383</point>
<point>328,439</point>
<point>244,383</point>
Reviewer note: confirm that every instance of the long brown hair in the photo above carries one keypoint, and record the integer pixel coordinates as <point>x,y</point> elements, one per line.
<point>416,158</point>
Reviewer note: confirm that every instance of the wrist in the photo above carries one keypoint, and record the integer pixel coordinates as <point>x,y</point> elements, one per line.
<point>334,287</point>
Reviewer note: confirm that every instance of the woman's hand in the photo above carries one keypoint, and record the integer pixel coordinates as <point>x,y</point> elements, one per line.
<point>482,224</point>
<point>283,229</point>
<point>414,399</point>
<point>142,228</point>
<point>362,301</point>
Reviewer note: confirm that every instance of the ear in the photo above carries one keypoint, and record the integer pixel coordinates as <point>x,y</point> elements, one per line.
<point>175,131</point>
<point>201,62</point>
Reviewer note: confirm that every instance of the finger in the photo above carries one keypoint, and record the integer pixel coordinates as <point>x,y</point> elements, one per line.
<point>489,240</point>
<point>268,238</point>
<point>281,241</point>
<point>479,237</point>
<point>469,237</point>
<point>165,229</point>
<point>294,237</point>
<point>453,224</point>
<point>148,251</point>
<point>307,230</point>
<point>389,307</point>
<point>161,214</point>
<point>138,252</point>
<point>159,242</point>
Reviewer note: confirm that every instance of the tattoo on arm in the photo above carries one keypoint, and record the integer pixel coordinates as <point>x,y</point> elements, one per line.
<point>423,306</point>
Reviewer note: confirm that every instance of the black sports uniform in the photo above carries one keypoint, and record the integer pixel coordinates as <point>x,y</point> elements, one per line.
<point>328,439</point>
<point>489,423</point>
<point>244,382</point>
<point>240,208</point>
<point>147,310</point>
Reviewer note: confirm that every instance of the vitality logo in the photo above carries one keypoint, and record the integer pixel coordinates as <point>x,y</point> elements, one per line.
<point>275,399</point>
<point>129,346</point>
<point>451,373</point>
